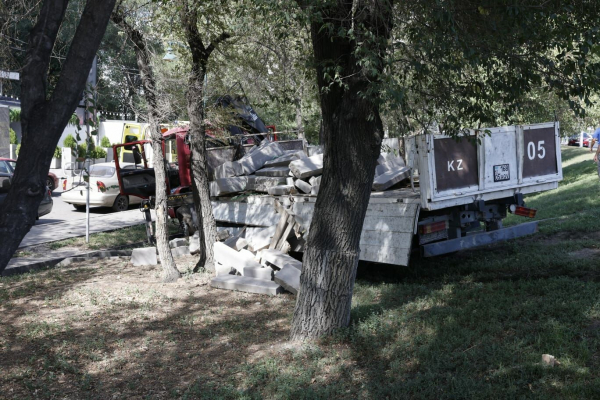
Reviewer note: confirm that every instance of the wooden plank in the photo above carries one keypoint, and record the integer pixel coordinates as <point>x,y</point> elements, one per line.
<point>281,225</point>
<point>286,232</point>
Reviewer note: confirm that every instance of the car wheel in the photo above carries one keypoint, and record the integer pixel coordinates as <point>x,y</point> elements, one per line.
<point>121,203</point>
<point>79,207</point>
<point>50,183</point>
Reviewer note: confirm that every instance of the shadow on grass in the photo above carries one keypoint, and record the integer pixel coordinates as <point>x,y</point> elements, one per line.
<point>479,340</point>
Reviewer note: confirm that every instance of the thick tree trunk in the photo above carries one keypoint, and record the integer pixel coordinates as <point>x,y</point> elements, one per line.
<point>44,119</point>
<point>170,271</point>
<point>352,139</point>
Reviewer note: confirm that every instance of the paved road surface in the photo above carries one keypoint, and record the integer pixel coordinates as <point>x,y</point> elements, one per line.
<point>65,222</point>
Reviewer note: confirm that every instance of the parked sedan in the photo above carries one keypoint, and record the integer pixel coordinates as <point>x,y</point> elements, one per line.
<point>574,140</point>
<point>104,188</point>
<point>46,204</point>
<point>8,166</point>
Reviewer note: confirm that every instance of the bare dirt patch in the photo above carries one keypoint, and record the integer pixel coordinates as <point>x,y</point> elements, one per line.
<point>110,330</point>
<point>585,253</point>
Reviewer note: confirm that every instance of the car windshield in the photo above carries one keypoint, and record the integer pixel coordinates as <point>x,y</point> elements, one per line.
<point>101,171</point>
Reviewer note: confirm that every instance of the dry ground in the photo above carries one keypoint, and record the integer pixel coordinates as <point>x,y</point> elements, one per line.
<point>111,330</point>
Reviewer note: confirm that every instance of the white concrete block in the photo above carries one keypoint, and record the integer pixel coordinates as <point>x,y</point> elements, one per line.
<point>273,171</point>
<point>257,159</point>
<point>390,178</point>
<point>246,284</point>
<point>248,254</point>
<point>144,256</point>
<point>195,243</point>
<point>245,214</point>
<point>281,190</point>
<point>303,186</point>
<point>259,273</point>
<point>221,269</point>
<point>223,186</point>
<point>180,251</point>
<point>179,242</point>
<point>228,169</point>
<point>314,150</point>
<point>315,190</point>
<point>289,278</point>
<point>278,259</point>
<point>229,257</point>
<point>263,183</point>
<point>284,160</point>
<point>259,238</point>
<point>236,243</point>
<point>307,167</point>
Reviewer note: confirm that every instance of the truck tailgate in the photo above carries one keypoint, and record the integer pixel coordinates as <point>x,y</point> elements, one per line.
<point>488,165</point>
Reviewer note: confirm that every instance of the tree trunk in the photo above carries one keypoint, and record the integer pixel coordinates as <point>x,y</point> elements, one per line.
<point>352,137</point>
<point>196,112</point>
<point>299,122</point>
<point>200,183</point>
<point>170,271</point>
<point>43,119</point>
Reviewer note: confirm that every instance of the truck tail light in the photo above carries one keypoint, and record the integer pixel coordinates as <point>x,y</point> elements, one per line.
<point>101,186</point>
<point>65,184</point>
<point>433,227</point>
<point>523,211</point>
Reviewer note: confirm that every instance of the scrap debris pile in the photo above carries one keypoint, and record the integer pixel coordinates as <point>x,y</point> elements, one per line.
<point>258,232</point>
<point>268,168</point>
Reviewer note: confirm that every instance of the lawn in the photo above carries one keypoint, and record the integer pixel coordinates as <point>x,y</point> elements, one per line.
<point>473,325</point>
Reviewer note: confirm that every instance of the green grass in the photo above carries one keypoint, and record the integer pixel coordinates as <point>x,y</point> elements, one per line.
<point>111,239</point>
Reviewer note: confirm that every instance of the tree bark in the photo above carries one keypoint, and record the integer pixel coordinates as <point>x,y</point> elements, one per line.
<point>352,137</point>
<point>197,131</point>
<point>43,115</point>
<point>170,271</point>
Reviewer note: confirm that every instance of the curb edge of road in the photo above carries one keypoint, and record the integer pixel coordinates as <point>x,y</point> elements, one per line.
<point>52,262</point>
<point>95,254</point>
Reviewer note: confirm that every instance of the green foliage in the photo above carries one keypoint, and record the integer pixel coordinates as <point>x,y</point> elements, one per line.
<point>57,152</point>
<point>82,150</point>
<point>70,141</point>
<point>13,136</point>
<point>461,68</point>
<point>15,115</point>
<point>105,142</point>
<point>74,120</point>
<point>18,149</point>
<point>98,152</point>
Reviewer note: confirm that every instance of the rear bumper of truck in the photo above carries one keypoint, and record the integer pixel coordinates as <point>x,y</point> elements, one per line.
<point>480,239</point>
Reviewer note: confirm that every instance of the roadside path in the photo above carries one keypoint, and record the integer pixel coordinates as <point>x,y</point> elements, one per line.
<point>52,232</point>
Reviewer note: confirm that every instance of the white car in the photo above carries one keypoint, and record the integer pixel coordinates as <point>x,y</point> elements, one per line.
<point>104,189</point>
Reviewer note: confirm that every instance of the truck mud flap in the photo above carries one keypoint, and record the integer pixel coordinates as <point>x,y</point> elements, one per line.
<point>480,239</point>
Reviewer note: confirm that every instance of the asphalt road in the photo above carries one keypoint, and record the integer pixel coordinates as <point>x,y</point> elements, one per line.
<point>62,211</point>
<point>65,222</point>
